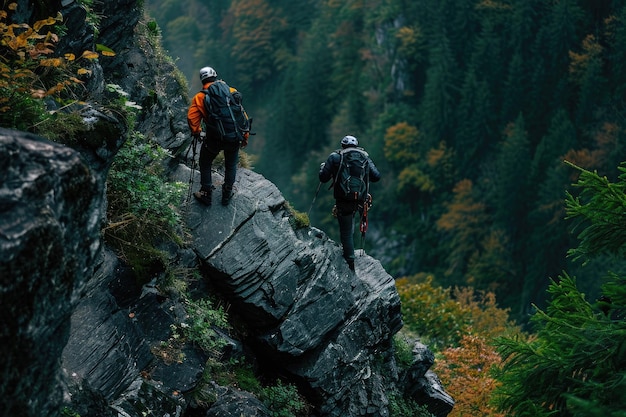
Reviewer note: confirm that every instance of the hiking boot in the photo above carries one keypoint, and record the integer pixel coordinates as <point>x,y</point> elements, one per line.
<point>227,194</point>
<point>350,264</point>
<point>203,196</point>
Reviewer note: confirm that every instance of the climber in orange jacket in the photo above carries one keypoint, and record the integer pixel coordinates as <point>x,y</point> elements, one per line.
<point>215,140</point>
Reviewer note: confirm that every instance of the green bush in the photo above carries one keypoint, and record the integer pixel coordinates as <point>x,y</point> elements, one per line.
<point>203,320</point>
<point>403,350</point>
<point>142,207</point>
<point>406,407</point>
<point>283,400</point>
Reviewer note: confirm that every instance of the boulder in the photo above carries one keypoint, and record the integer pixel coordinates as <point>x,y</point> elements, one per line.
<point>423,385</point>
<point>312,317</point>
<point>51,207</point>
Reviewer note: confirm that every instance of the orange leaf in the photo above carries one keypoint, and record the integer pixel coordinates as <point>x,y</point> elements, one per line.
<point>108,53</point>
<point>70,57</point>
<point>34,53</point>
<point>56,89</point>
<point>83,71</point>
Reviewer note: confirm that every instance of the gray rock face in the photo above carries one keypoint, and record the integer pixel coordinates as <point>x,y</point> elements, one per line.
<point>235,403</point>
<point>141,70</point>
<point>314,318</point>
<point>50,207</point>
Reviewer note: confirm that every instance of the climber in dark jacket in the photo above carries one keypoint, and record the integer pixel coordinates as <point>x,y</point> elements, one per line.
<point>345,209</point>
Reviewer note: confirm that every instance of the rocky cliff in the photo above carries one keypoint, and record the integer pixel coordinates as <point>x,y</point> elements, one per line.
<point>81,332</point>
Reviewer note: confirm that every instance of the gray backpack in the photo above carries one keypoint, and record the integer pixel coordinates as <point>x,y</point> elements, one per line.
<point>352,182</point>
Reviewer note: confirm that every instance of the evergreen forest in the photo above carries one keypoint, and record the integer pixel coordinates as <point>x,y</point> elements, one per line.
<point>469,108</point>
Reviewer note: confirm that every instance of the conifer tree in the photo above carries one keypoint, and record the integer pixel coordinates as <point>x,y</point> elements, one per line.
<point>575,366</point>
<point>511,180</point>
<point>474,134</point>
<point>560,138</point>
<point>439,93</point>
<point>617,55</point>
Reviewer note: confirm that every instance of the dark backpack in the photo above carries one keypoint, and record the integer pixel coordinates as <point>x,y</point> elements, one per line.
<point>352,181</point>
<point>226,116</point>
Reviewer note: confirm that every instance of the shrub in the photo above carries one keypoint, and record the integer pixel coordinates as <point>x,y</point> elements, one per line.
<point>465,371</point>
<point>142,206</point>
<point>202,325</point>
<point>406,407</point>
<point>444,315</point>
<point>297,219</point>
<point>430,312</point>
<point>283,400</point>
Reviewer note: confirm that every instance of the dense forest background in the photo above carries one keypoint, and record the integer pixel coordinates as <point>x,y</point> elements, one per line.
<point>468,108</point>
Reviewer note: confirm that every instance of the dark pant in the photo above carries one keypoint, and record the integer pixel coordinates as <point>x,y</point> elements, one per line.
<point>210,149</point>
<point>345,217</point>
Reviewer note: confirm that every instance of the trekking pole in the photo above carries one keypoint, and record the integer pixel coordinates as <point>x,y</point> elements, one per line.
<point>314,198</point>
<point>192,148</point>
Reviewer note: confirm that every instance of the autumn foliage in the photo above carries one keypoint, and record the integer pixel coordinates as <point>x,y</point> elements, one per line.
<point>466,373</point>
<point>461,325</point>
<point>30,69</point>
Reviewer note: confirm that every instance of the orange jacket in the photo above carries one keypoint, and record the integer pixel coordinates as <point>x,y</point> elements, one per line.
<point>197,112</point>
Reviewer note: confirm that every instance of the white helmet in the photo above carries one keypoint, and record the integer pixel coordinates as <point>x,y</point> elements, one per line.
<point>207,72</point>
<point>349,141</point>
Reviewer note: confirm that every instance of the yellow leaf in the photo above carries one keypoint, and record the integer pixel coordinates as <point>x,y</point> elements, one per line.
<point>44,22</point>
<point>18,42</point>
<point>12,6</point>
<point>76,80</point>
<point>83,71</point>
<point>108,53</point>
<point>51,62</point>
<point>89,55</point>
<point>70,57</point>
